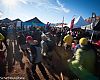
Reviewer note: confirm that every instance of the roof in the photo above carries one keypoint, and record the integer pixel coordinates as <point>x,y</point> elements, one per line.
<point>90,19</point>
<point>6,20</point>
<point>17,20</point>
<point>35,21</point>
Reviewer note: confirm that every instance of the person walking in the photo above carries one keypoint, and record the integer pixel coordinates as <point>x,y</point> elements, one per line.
<point>36,58</point>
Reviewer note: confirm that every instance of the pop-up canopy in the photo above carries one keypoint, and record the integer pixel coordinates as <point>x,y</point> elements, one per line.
<point>79,22</point>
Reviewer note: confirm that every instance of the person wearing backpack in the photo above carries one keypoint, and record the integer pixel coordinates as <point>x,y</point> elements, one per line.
<point>51,47</point>
<point>50,42</point>
<point>36,58</point>
<point>83,66</point>
<point>21,40</point>
<point>4,33</point>
<point>2,57</point>
<point>1,37</point>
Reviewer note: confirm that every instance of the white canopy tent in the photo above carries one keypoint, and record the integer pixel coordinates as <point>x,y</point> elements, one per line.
<point>79,22</point>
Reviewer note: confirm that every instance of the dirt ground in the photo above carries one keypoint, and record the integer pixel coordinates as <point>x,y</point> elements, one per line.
<point>56,68</point>
<point>55,71</point>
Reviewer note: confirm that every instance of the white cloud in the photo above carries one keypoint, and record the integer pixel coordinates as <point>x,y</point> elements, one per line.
<point>33,1</point>
<point>1,13</point>
<point>24,1</point>
<point>62,7</point>
<point>46,4</point>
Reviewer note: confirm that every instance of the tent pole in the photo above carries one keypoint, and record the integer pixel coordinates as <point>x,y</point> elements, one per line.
<point>92,36</point>
<point>93,24</point>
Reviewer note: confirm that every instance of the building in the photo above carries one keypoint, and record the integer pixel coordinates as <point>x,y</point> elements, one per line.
<point>90,19</point>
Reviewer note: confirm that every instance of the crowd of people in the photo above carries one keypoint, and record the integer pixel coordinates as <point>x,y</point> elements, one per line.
<point>38,44</point>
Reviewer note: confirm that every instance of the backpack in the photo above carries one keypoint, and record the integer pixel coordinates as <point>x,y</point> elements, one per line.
<point>2,56</point>
<point>50,45</point>
<point>97,61</point>
<point>21,39</point>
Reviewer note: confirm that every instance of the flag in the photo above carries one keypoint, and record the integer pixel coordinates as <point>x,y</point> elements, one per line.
<point>47,26</point>
<point>72,24</point>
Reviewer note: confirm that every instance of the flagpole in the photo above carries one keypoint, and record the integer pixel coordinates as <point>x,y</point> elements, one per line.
<point>92,36</point>
<point>63,22</point>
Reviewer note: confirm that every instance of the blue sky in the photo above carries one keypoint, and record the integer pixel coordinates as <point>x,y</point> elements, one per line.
<point>48,10</point>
